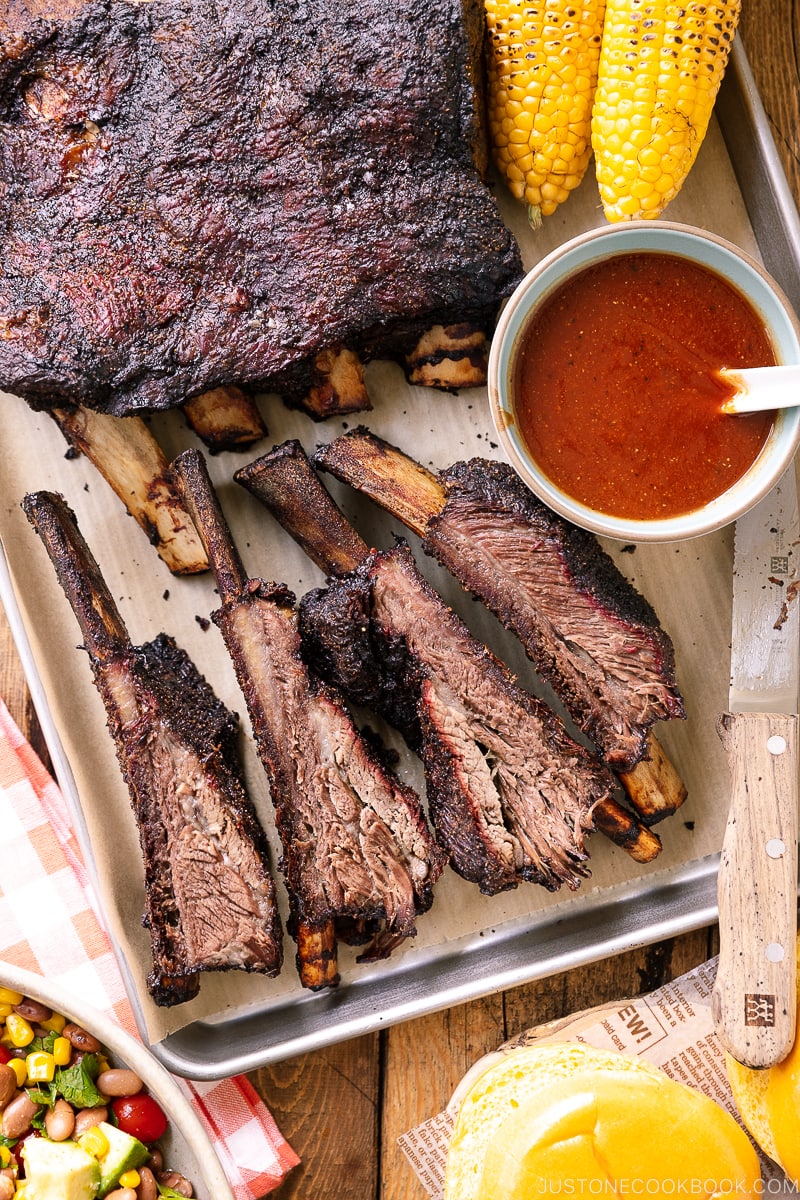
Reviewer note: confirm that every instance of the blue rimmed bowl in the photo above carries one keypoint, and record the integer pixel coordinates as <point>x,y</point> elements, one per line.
<point>735,266</point>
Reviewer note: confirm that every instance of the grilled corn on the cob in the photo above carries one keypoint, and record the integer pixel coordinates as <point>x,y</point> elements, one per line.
<point>661,65</point>
<point>542,60</point>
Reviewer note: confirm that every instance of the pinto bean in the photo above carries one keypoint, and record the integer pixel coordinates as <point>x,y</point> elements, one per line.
<point>87,1118</point>
<point>8,1085</point>
<point>7,1187</point>
<point>148,1188</point>
<point>156,1160</point>
<point>178,1183</point>
<point>81,1039</point>
<point>33,1011</point>
<point>121,1194</point>
<point>119,1081</point>
<point>18,1115</point>
<point>59,1121</point>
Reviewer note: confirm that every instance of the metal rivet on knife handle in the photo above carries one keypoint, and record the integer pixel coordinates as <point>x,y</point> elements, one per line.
<point>754,1002</point>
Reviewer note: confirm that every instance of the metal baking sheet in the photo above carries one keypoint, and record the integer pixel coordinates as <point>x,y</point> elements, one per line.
<point>508,940</point>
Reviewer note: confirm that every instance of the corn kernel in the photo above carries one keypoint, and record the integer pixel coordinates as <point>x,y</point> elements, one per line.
<point>55,1022</point>
<point>20,1070</point>
<point>130,1179</point>
<point>94,1142</point>
<point>551,51</point>
<point>41,1066</point>
<point>5,1010</point>
<point>62,1051</point>
<point>650,76</point>
<point>8,996</point>
<point>5,1156</point>
<point>19,1030</point>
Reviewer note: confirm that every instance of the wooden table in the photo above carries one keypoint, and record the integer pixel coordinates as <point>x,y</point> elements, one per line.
<point>343,1107</point>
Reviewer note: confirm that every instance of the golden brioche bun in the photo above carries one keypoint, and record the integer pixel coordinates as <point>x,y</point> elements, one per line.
<point>769,1103</point>
<point>553,1119</point>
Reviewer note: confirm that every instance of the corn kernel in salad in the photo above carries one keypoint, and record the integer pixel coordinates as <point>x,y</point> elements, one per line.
<point>41,1066</point>
<point>19,1030</point>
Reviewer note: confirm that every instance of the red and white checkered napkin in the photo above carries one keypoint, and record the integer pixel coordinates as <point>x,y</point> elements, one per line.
<point>49,924</point>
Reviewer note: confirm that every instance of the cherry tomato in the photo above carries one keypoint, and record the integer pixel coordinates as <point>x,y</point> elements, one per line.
<point>5,1055</point>
<point>140,1116</point>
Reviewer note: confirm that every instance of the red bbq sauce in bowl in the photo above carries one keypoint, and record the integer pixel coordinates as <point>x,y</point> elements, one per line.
<point>615,391</point>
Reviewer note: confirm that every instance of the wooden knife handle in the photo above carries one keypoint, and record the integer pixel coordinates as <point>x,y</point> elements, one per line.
<point>754,1002</point>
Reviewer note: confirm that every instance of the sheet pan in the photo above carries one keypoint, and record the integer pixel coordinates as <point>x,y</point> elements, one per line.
<point>467,945</point>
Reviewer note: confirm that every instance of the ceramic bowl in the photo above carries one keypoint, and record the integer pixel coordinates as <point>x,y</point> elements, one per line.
<point>186,1145</point>
<point>708,250</point>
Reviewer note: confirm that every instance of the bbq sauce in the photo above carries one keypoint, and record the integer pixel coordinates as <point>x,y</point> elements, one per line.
<point>615,389</point>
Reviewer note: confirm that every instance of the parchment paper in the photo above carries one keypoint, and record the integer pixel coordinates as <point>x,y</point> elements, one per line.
<point>671,1028</point>
<point>689,584</point>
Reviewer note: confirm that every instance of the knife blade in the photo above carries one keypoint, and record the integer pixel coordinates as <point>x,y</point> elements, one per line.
<point>754,996</point>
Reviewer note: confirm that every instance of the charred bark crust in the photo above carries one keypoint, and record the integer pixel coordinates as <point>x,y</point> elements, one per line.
<point>209,192</point>
<point>588,631</point>
<point>358,858</point>
<point>210,899</point>
<point>211,731</point>
<point>510,794</point>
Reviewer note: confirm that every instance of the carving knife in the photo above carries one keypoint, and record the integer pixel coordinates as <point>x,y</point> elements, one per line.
<point>754,997</point>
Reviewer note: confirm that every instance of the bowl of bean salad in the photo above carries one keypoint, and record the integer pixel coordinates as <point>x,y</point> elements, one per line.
<point>86,1111</point>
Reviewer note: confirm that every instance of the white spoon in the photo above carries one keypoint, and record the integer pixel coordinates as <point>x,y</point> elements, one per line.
<point>760,388</point>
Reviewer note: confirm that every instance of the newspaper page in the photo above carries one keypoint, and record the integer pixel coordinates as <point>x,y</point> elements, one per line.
<point>671,1028</point>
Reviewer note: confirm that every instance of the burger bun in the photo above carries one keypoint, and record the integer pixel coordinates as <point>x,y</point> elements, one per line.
<point>555,1118</point>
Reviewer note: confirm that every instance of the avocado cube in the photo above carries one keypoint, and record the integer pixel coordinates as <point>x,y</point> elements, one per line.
<point>125,1153</point>
<point>59,1171</point>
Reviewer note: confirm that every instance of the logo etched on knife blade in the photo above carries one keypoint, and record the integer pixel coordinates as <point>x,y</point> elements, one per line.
<point>779,564</point>
<point>759,1009</point>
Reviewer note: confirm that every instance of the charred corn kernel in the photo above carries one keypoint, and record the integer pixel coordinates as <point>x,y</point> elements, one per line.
<point>41,1066</point>
<point>542,63</point>
<point>20,1070</point>
<point>661,65</point>
<point>55,1022</point>
<point>9,996</point>
<point>94,1142</point>
<point>130,1179</point>
<point>62,1051</point>
<point>19,1030</point>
